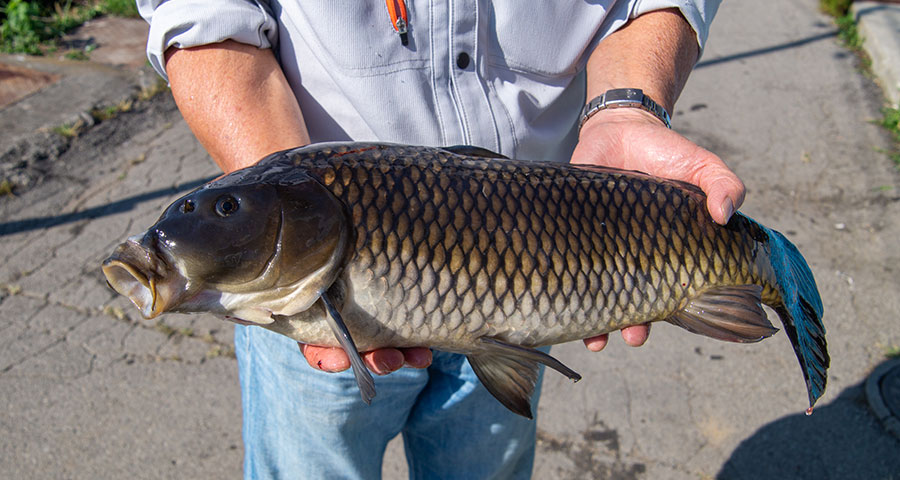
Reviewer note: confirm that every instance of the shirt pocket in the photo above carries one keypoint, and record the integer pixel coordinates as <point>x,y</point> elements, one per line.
<point>356,36</point>
<point>553,39</point>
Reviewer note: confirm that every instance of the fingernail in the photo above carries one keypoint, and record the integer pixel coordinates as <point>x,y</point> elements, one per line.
<point>727,208</point>
<point>383,367</point>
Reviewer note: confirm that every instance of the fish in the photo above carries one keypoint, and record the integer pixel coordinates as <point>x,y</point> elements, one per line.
<point>371,245</point>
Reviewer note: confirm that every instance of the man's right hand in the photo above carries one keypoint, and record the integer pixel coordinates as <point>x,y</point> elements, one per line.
<point>381,361</point>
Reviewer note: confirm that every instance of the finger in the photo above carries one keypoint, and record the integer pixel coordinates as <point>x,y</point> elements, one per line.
<point>595,344</point>
<point>636,335</point>
<point>384,360</point>
<point>327,359</point>
<point>724,190</point>
<point>418,357</point>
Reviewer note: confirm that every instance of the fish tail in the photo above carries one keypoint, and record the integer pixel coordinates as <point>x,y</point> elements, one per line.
<point>800,310</point>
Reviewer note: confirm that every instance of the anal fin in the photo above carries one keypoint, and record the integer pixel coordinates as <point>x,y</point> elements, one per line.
<point>363,377</point>
<point>510,372</point>
<point>734,314</point>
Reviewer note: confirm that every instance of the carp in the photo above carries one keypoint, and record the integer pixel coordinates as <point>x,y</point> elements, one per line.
<point>366,245</point>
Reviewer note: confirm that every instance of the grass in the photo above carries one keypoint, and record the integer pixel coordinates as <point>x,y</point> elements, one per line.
<point>892,352</point>
<point>835,8</point>
<point>102,114</point>
<point>69,130</point>
<point>82,55</point>
<point>34,26</point>
<point>7,188</point>
<point>891,122</point>
<point>849,35</point>
<point>111,111</point>
<point>11,289</point>
<point>220,351</point>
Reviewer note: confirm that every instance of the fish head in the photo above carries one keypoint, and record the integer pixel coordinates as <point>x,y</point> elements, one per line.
<point>247,250</point>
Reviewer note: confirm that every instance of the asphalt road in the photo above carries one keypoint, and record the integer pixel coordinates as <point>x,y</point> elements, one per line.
<point>89,390</point>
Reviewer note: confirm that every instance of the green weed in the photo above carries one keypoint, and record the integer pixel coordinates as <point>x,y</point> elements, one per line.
<point>7,188</point>
<point>120,8</point>
<point>33,26</point>
<point>69,130</point>
<point>891,122</point>
<point>81,55</point>
<point>835,8</point>
<point>892,351</point>
<point>23,29</point>
<point>220,351</point>
<point>111,111</point>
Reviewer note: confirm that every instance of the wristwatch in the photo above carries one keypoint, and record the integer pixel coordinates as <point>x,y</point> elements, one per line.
<point>624,97</point>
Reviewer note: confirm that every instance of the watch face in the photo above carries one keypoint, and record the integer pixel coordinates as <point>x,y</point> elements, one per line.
<point>624,97</point>
<point>626,94</point>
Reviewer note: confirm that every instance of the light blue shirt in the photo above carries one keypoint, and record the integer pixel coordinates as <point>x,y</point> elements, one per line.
<point>520,94</point>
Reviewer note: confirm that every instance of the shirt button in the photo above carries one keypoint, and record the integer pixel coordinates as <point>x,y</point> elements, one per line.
<point>462,60</point>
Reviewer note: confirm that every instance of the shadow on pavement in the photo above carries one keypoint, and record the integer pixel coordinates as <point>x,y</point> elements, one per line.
<point>124,205</point>
<point>763,51</point>
<point>840,440</point>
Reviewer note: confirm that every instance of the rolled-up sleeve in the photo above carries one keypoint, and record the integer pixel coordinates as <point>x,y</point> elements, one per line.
<point>698,13</point>
<point>190,23</point>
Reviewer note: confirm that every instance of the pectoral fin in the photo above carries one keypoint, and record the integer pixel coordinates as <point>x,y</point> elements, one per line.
<point>363,377</point>
<point>734,314</point>
<point>510,372</point>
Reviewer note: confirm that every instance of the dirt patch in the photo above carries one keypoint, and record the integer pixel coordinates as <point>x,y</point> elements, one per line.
<point>17,83</point>
<point>113,41</point>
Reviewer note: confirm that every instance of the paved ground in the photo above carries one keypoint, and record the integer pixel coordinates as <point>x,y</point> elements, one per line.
<point>92,391</point>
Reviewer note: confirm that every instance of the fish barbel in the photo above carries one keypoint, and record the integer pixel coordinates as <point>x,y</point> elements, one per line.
<point>365,246</point>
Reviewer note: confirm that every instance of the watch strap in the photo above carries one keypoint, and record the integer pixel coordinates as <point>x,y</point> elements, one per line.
<point>624,97</point>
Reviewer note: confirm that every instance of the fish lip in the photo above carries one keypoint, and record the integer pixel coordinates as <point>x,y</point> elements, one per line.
<point>143,275</point>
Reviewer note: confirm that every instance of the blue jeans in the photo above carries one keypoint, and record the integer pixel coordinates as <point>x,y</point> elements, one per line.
<point>299,422</point>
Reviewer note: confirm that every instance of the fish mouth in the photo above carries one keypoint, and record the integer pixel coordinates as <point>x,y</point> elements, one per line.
<point>143,276</point>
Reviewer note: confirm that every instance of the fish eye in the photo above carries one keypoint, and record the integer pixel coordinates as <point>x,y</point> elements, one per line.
<point>187,206</point>
<point>226,205</point>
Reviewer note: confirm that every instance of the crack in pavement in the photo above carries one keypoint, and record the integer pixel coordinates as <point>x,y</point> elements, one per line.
<point>216,347</point>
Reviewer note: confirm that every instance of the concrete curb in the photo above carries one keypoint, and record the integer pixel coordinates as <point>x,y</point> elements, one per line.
<point>879,25</point>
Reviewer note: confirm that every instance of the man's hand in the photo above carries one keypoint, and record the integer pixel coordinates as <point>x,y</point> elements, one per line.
<point>632,139</point>
<point>382,361</point>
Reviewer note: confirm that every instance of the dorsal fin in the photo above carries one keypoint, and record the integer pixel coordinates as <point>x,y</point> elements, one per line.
<point>473,151</point>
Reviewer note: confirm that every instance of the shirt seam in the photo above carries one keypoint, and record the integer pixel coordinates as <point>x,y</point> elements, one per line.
<point>434,86</point>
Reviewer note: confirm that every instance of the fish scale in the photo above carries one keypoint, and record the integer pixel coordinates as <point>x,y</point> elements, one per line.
<point>365,246</point>
<point>542,254</point>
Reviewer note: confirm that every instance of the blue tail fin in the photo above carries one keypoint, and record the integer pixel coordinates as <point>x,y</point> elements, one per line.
<point>800,312</point>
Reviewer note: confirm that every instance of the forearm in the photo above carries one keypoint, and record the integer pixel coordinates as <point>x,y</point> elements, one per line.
<point>654,52</point>
<point>236,100</point>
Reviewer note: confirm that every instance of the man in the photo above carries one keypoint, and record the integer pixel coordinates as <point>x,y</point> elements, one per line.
<point>254,77</point>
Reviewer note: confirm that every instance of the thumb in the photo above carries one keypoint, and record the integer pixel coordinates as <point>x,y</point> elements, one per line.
<point>724,191</point>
